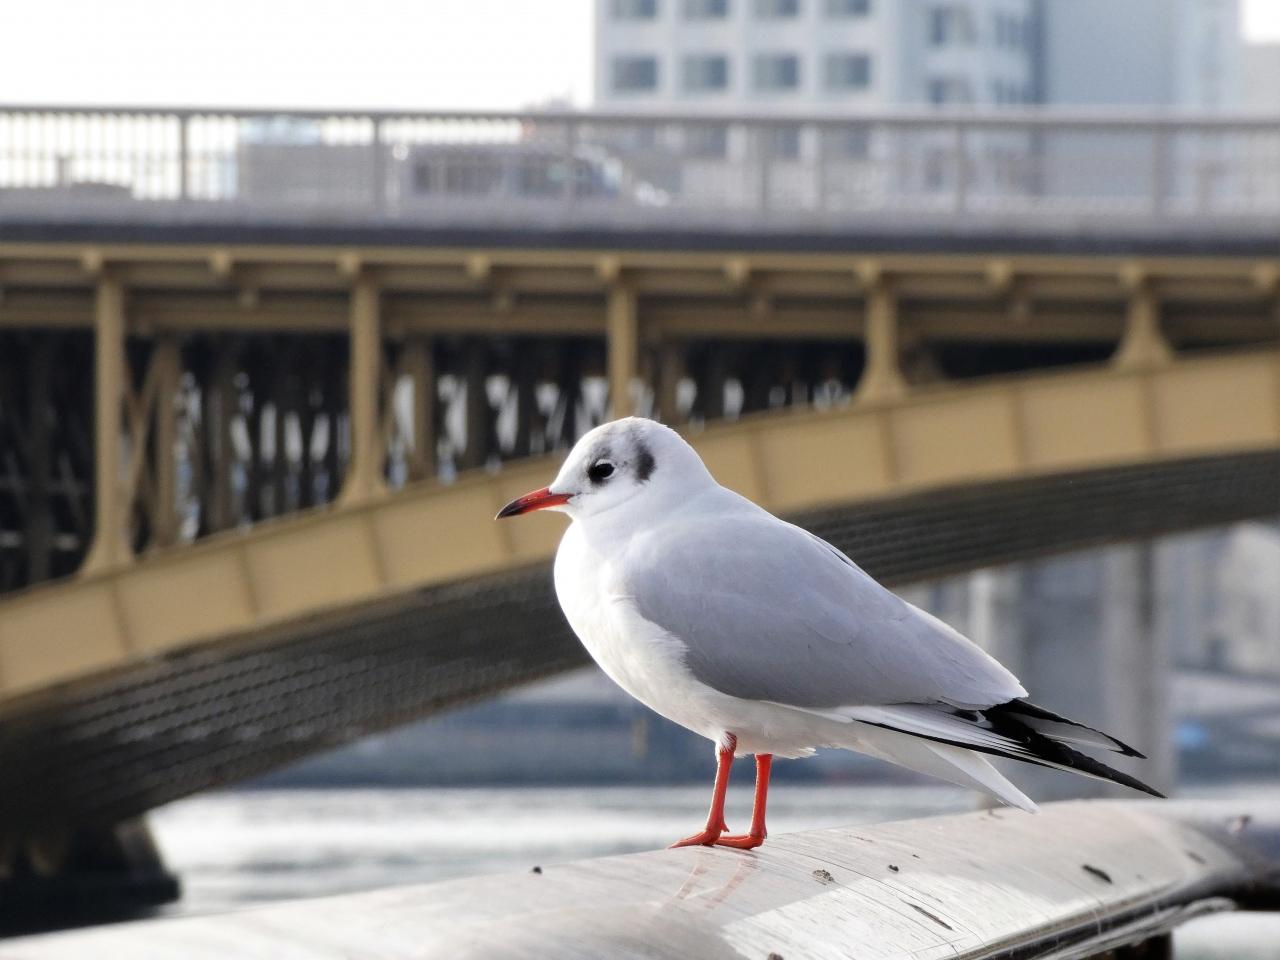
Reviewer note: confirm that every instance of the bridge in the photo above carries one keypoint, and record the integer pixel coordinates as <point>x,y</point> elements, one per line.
<point>265,521</point>
<point>1059,178</point>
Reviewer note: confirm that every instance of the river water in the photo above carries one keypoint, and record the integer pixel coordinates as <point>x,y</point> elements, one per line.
<point>240,848</point>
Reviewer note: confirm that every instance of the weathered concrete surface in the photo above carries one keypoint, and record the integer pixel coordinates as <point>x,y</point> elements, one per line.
<point>1076,878</point>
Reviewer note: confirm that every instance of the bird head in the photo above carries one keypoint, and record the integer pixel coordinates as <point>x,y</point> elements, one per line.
<point>622,463</point>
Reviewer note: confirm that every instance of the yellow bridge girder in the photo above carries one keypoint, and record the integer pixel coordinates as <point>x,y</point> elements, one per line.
<point>361,550</point>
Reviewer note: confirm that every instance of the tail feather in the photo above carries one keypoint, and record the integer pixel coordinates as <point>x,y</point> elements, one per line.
<point>1017,730</point>
<point>957,765</point>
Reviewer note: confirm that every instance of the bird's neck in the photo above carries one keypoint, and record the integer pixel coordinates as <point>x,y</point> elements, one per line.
<point>612,530</point>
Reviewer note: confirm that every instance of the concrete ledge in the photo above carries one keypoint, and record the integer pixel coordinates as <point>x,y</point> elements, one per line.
<point>1076,879</point>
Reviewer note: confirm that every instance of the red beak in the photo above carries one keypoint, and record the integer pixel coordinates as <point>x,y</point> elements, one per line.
<point>536,500</point>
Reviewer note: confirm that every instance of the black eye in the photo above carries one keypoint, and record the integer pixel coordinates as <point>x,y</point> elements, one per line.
<point>600,471</point>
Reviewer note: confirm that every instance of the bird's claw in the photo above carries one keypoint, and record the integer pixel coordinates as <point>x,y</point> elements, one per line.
<point>742,841</point>
<point>704,838</point>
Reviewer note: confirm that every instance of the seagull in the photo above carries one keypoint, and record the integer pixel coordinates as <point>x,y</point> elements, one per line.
<point>767,640</point>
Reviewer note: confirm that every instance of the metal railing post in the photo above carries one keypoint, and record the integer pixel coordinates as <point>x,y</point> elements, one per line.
<point>819,141</point>
<point>961,165</point>
<point>764,138</point>
<point>184,156</point>
<point>1160,172</point>
<point>379,170</point>
<point>570,162</point>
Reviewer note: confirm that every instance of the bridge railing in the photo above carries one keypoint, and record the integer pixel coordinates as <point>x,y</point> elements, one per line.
<point>595,169</point>
<point>1079,880</point>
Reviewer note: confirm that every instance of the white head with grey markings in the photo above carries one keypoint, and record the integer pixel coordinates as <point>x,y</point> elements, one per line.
<point>626,467</point>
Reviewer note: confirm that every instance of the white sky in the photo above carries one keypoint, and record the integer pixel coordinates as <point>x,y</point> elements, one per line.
<point>465,54</point>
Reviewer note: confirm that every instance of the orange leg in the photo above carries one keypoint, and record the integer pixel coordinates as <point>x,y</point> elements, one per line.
<point>715,818</point>
<point>748,841</point>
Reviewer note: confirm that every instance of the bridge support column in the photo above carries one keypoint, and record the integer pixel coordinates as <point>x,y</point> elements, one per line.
<point>624,349</point>
<point>1091,649</point>
<point>82,875</point>
<point>221,405</point>
<point>994,623</point>
<point>475,365</point>
<point>110,541</point>
<point>419,364</point>
<point>1137,656</point>
<point>40,524</point>
<point>670,373</point>
<point>364,478</point>
<point>881,375</point>
<point>164,515</point>
<point>1143,344</point>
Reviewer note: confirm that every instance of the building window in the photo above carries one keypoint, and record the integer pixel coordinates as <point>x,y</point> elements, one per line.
<point>847,71</point>
<point>777,9</point>
<point>775,72</point>
<point>951,25</point>
<point>1009,91</point>
<point>845,9</point>
<point>847,143</point>
<point>707,141</point>
<point>704,73</point>
<point>635,9</point>
<point>632,74</point>
<point>1011,31</point>
<point>936,165</point>
<point>706,9</point>
<point>944,90</point>
<point>782,143</point>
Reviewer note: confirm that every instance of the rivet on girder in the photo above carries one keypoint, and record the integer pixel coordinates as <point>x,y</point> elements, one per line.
<point>92,262</point>
<point>609,269</point>
<point>738,272</point>
<point>479,267</point>
<point>350,264</point>
<point>221,264</point>
<point>1266,277</point>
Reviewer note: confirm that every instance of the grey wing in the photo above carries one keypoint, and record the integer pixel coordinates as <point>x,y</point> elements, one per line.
<point>768,611</point>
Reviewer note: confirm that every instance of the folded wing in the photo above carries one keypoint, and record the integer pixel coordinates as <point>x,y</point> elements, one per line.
<point>768,611</point>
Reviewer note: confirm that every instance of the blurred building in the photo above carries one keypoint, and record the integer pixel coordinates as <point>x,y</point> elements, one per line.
<point>806,55</point>
<point>1161,53</point>
<point>848,55</point>
<point>1261,69</point>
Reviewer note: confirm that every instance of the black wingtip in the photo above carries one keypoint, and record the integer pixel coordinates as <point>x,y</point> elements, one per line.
<point>1024,721</point>
<point>1134,783</point>
<point>1029,713</point>
<point>1064,757</point>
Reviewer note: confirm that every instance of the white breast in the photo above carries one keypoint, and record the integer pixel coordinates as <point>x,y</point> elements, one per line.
<point>648,663</point>
<point>637,655</point>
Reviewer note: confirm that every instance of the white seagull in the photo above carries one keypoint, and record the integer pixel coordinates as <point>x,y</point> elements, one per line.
<point>769,641</point>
